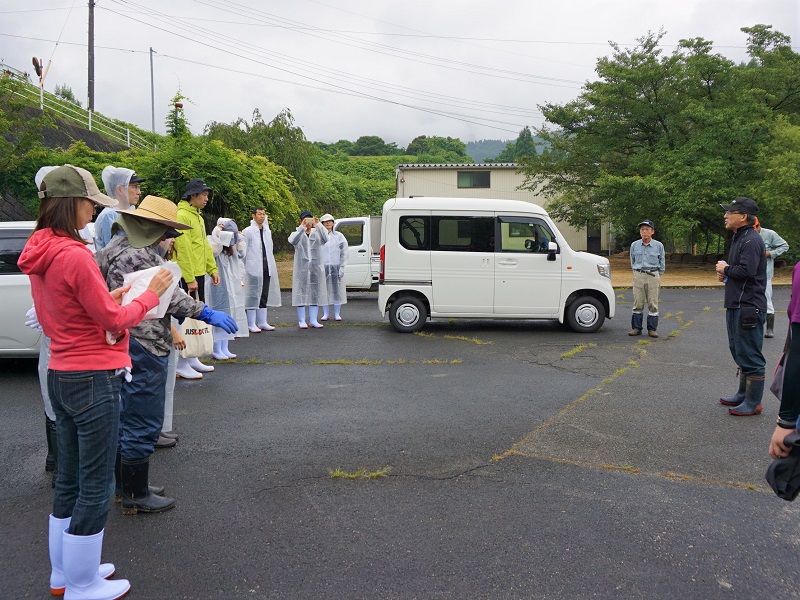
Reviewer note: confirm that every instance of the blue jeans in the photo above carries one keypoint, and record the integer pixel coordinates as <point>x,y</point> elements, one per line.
<point>86,404</point>
<point>745,344</point>
<point>142,413</point>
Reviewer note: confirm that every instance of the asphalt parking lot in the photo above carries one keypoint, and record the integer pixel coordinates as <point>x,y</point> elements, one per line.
<point>522,461</point>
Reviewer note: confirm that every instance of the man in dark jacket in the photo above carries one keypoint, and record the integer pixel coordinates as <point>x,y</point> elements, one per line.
<point>745,279</point>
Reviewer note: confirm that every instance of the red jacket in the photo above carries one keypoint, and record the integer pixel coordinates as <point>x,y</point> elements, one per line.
<point>74,307</point>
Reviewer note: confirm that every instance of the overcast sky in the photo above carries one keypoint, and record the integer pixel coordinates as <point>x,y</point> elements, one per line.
<point>347,68</point>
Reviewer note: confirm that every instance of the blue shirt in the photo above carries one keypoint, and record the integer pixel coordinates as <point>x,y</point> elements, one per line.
<point>648,257</point>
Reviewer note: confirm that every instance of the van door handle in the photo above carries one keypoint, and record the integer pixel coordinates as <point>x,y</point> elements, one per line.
<point>361,251</point>
<point>510,261</point>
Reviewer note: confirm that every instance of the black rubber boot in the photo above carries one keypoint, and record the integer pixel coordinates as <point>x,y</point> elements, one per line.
<point>754,391</point>
<point>636,324</point>
<point>652,325</point>
<point>158,490</point>
<point>770,330</point>
<point>738,397</point>
<point>136,496</point>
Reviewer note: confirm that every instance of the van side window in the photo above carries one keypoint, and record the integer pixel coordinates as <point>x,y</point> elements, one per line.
<point>462,234</point>
<point>524,234</point>
<point>415,233</point>
<point>353,233</point>
<point>10,249</point>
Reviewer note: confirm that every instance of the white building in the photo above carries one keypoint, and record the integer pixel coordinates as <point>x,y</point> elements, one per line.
<point>492,180</point>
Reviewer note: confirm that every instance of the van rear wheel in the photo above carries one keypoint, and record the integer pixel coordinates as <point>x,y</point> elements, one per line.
<point>407,314</point>
<point>585,315</point>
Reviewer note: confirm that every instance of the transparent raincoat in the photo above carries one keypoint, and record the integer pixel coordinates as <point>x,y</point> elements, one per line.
<point>308,277</point>
<point>113,177</point>
<point>253,275</point>
<point>334,254</point>
<point>228,296</point>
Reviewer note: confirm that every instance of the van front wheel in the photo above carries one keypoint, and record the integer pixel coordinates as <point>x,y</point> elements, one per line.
<point>585,315</point>
<point>407,314</point>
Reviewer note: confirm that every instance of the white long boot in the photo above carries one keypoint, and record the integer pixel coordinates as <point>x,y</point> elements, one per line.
<point>262,320</point>
<point>81,559</point>
<point>218,353</point>
<point>313,311</point>
<point>326,313</point>
<point>56,543</point>
<point>301,317</point>
<point>224,348</point>
<point>251,321</point>
<point>336,309</point>
<point>185,371</point>
<point>200,367</point>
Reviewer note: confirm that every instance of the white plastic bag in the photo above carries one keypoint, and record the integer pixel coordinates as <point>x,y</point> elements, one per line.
<point>139,281</point>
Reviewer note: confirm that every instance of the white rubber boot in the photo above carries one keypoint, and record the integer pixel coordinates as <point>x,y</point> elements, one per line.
<point>301,317</point>
<point>56,543</point>
<point>313,311</point>
<point>251,321</point>
<point>225,351</point>
<point>184,371</point>
<point>200,367</point>
<point>326,313</point>
<point>262,320</point>
<point>81,559</point>
<point>336,309</point>
<point>218,353</point>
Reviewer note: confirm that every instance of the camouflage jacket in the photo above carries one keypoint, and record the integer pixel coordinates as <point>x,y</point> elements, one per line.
<point>119,258</point>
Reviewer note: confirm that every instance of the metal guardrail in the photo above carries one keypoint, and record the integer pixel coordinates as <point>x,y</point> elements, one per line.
<point>80,116</point>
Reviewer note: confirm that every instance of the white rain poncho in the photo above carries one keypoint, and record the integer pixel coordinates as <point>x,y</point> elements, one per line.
<point>334,255</point>
<point>113,177</point>
<point>308,278</point>
<point>253,267</point>
<point>228,296</point>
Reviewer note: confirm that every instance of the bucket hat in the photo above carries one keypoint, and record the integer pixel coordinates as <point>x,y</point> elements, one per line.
<point>195,186</point>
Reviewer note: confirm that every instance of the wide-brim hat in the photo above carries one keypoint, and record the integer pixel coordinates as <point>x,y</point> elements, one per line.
<point>67,181</point>
<point>159,210</point>
<point>195,186</point>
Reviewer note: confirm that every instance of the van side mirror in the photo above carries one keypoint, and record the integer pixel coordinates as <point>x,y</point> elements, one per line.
<point>552,250</point>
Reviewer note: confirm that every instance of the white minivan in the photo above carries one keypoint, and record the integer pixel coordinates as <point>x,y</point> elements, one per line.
<point>485,259</point>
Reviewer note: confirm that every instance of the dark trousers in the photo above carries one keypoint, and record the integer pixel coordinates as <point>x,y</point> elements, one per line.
<point>745,344</point>
<point>262,302</point>
<point>142,412</point>
<point>201,287</point>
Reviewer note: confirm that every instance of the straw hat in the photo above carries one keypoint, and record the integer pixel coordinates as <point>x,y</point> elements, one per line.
<point>159,210</point>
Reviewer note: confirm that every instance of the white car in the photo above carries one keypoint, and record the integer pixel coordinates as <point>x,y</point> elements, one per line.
<point>16,340</point>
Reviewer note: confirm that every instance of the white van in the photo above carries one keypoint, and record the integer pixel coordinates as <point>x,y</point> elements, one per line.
<point>363,235</point>
<point>485,259</point>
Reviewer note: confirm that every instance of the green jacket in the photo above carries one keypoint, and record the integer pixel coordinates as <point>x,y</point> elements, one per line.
<point>192,251</point>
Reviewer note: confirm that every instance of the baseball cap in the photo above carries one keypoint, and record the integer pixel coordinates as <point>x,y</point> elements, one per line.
<point>741,204</point>
<point>67,181</point>
<point>326,217</point>
<point>305,214</point>
<point>647,222</point>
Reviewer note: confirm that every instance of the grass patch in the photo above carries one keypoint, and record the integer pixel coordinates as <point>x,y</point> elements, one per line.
<point>273,362</point>
<point>361,473</point>
<point>577,350</point>
<point>424,334</point>
<point>399,361</point>
<point>677,332</point>
<point>642,342</point>
<point>464,338</point>
<point>440,361</point>
<point>706,308</point>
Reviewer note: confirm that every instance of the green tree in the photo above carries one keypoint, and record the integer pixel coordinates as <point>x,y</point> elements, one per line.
<point>176,122</point>
<point>65,92</point>
<point>437,149</point>
<point>523,146</point>
<point>668,137</point>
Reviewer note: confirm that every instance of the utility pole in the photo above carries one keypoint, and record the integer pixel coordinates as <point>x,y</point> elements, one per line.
<point>90,86</point>
<point>152,93</point>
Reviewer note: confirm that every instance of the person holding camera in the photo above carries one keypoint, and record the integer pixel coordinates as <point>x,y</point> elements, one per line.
<point>308,279</point>
<point>745,278</point>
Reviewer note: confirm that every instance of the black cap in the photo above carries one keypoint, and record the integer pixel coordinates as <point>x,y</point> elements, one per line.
<point>172,233</point>
<point>741,204</point>
<point>647,222</point>
<point>136,179</point>
<point>195,186</point>
<point>305,214</point>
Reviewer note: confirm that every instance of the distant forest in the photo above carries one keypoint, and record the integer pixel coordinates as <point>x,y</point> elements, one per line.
<point>480,150</point>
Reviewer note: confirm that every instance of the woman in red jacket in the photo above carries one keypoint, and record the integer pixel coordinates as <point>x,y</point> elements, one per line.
<point>87,326</point>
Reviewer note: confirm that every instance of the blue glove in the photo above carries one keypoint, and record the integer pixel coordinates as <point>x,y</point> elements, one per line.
<point>218,319</point>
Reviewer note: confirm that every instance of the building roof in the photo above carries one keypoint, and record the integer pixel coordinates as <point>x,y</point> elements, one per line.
<point>459,166</point>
